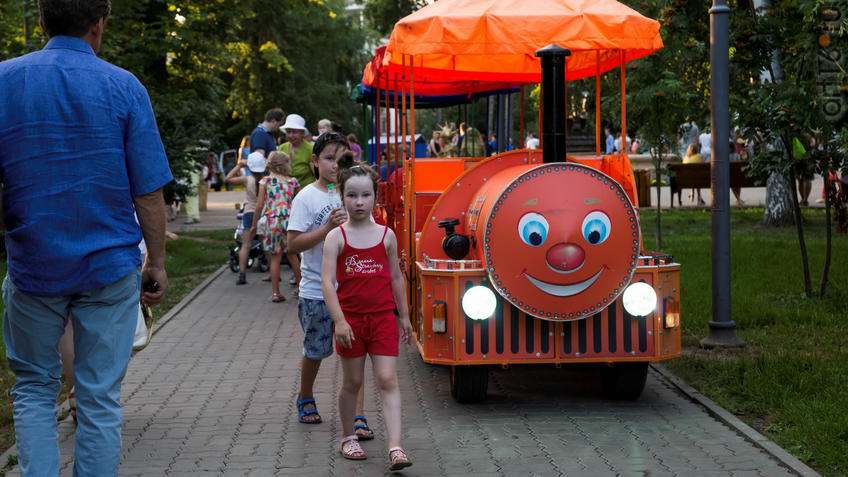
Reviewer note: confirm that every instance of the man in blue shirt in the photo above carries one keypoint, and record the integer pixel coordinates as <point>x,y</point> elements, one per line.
<point>609,141</point>
<point>261,139</point>
<point>81,153</point>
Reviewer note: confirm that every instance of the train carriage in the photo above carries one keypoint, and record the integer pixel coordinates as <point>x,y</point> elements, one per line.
<point>527,256</point>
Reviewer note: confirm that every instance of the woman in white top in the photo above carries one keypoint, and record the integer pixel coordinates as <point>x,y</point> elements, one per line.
<point>256,165</point>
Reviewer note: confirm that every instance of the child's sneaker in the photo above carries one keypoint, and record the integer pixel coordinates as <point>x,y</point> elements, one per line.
<point>242,280</point>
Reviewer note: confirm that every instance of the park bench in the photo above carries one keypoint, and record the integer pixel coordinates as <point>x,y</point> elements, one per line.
<point>697,176</point>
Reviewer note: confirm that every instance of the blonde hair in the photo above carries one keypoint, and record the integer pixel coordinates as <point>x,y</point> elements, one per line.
<point>692,149</point>
<point>279,163</point>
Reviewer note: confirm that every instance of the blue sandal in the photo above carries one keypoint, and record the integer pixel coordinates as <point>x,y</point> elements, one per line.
<point>302,413</point>
<point>367,433</point>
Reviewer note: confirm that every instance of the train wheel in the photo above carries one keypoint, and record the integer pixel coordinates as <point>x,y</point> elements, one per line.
<point>469,383</point>
<point>624,380</point>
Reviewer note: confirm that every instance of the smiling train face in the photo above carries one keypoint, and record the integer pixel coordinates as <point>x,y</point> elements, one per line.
<point>560,241</point>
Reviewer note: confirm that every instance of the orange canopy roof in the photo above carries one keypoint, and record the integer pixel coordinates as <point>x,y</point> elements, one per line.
<point>495,40</point>
<point>428,82</point>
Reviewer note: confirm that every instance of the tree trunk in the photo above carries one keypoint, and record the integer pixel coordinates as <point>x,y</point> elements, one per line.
<point>828,238</point>
<point>802,244</point>
<point>778,210</point>
<point>658,230</point>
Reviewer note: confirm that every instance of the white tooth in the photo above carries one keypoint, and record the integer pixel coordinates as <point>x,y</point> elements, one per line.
<point>563,290</point>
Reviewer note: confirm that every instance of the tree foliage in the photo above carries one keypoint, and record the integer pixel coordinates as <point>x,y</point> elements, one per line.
<point>787,106</point>
<point>306,61</point>
<point>213,67</point>
<point>383,14</point>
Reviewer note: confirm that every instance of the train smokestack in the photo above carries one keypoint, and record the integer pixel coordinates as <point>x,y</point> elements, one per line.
<point>554,140</point>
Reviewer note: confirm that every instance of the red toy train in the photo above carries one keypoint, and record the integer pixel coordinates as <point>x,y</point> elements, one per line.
<point>527,256</point>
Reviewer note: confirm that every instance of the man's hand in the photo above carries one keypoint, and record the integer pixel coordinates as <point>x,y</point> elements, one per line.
<point>150,209</point>
<point>154,282</point>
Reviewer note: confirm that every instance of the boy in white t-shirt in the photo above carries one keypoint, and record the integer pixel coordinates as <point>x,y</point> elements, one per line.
<point>314,213</point>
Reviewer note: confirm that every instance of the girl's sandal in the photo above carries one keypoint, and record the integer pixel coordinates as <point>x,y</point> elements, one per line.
<point>398,459</point>
<point>349,448</point>
<point>277,298</point>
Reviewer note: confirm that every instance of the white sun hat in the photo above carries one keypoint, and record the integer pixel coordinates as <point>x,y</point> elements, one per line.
<point>294,121</point>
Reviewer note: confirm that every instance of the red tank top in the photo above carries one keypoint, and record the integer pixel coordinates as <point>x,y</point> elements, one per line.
<point>364,278</point>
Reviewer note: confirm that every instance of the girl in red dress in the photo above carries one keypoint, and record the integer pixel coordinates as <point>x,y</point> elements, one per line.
<point>363,257</point>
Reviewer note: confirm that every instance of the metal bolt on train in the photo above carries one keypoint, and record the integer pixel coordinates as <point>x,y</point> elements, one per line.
<point>528,256</point>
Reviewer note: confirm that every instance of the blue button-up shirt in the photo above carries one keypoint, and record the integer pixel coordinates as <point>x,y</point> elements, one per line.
<point>77,141</point>
<point>261,138</point>
<point>610,143</point>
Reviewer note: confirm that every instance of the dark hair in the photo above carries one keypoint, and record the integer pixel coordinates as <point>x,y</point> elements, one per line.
<point>72,17</point>
<point>329,138</point>
<point>323,141</point>
<point>336,127</point>
<point>347,169</point>
<point>274,114</point>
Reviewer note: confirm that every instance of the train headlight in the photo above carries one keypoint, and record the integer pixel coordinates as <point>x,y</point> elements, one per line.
<point>639,299</point>
<point>479,302</point>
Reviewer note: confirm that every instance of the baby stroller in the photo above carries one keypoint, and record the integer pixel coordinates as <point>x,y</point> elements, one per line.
<point>256,252</point>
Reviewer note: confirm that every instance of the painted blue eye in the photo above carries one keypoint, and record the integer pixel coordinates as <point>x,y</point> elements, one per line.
<point>533,229</point>
<point>596,227</point>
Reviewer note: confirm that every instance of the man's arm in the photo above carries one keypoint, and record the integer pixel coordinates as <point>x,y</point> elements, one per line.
<point>150,209</point>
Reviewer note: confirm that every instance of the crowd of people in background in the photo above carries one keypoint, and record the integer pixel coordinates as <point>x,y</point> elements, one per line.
<point>695,145</point>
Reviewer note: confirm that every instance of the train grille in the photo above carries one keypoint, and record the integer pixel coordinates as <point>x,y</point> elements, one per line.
<point>512,334</point>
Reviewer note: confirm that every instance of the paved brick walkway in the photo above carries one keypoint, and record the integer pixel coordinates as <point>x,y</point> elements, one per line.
<point>214,394</point>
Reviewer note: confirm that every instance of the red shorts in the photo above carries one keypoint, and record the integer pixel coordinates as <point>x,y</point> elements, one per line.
<point>373,334</point>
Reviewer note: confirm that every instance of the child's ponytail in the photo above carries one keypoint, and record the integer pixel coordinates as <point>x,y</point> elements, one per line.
<point>346,161</point>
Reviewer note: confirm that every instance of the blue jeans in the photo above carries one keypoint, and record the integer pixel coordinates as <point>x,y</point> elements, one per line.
<point>104,323</point>
<point>247,220</point>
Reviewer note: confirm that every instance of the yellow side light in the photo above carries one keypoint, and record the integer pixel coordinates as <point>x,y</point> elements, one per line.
<point>439,314</point>
<point>671,313</point>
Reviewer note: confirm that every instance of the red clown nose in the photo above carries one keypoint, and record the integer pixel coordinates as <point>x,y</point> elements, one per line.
<point>566,257</point>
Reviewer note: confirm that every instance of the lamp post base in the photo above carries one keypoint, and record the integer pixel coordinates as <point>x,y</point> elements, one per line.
<point>722,335</point>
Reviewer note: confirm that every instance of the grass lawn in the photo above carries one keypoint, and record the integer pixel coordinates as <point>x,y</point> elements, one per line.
<point>189,261</point>
<point>790,380</point>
